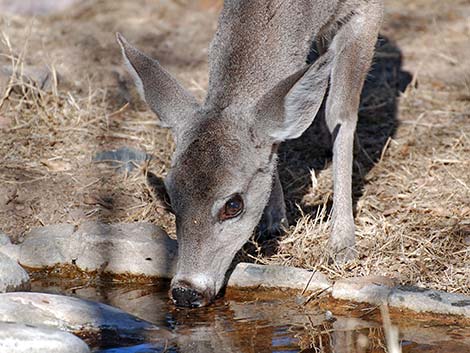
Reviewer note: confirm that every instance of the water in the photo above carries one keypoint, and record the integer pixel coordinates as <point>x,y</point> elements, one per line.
<point>259,321</point>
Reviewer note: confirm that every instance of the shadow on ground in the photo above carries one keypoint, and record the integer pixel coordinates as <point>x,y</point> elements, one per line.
<point>377,123</point>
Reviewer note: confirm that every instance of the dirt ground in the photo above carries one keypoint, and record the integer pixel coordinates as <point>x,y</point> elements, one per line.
<point>64,96</point>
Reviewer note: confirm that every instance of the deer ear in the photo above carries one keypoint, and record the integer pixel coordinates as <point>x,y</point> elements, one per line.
<point>164,95</point>
<point>289,108</point>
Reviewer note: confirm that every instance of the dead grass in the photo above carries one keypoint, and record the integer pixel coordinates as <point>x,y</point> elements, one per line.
<point>413,217</point>
<point>412,177</point>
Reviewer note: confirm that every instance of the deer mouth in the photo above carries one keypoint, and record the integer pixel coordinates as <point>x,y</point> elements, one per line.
<point>183,294</point>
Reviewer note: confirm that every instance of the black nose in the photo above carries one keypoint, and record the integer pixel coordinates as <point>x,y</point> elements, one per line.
<point>186,297</point>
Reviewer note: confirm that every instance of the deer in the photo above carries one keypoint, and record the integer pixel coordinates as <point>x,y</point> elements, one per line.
<point>223,178</point>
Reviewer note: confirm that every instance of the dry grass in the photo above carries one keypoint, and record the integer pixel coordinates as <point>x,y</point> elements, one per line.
<point>413,214</point>
<point>412,168</point>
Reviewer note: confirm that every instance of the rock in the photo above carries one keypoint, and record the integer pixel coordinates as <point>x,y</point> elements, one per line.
<point>143,249</point>
<point>251,275</point>
<point>368,289</point>
<point>137,248</point>
<point>12,276</point>
<point>47,246</point>
<point>429,300</point>
<point>20,338</point>
<point>11,250</point>
<point>7,248</point>
<point>125,158</point>
<point>380,290</point>
<point>73,314</point>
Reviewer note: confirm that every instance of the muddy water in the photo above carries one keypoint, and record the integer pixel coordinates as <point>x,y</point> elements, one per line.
<point>262,321</point>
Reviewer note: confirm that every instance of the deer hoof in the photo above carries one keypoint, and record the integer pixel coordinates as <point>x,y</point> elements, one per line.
<point>342,243</point>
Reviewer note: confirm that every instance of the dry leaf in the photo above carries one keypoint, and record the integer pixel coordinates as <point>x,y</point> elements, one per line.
<point>56,165</point>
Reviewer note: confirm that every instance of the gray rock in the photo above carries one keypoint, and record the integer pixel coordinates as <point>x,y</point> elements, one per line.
<point>20,338</point>
<point>144,249</point>
<point>428,300</point>
<point>135,248</point>
<point>72,314</point>
<point>380,290</point>
<point>125,158</point>
<point>368,289</point>
<point>47,246</point>
<point>7,248</point>
<point>12,276</point>
<point>251,275</point>
<point>11,250</point>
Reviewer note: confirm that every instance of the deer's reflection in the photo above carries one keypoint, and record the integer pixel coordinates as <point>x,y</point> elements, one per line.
<point>257,323</point>
<point>269,327</point>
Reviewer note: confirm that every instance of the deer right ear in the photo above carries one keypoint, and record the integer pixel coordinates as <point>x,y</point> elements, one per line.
<point>165,96</point>
<point>289,108</point>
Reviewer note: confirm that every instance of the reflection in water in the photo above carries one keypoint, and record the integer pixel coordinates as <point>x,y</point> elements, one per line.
<point>252,322</point>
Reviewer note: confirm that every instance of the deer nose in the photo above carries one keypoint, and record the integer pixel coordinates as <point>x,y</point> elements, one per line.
<point>188,297</point>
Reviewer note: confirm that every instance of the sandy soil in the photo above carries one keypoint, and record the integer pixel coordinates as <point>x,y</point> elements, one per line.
<point>412,178</point>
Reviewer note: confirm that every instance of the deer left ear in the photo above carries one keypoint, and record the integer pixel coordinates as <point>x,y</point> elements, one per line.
<point>165,96</point>
<point>289,108</point>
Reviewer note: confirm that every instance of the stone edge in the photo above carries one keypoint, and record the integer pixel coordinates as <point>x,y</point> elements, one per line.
<point>418,299</point>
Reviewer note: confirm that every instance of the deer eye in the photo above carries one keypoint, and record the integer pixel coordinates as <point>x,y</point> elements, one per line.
<point>232,208</point>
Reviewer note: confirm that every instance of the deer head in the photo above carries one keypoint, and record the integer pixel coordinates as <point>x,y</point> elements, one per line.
<point>222,169</point>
